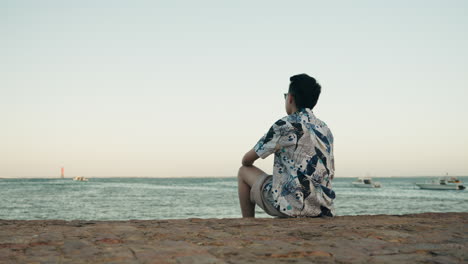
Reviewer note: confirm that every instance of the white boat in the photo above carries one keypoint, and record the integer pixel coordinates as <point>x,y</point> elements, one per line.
<point>80,178</point>
<point>366,183</point>
<point>444,183</point>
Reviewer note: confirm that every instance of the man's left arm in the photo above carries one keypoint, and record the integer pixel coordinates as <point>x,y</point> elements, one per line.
<point>268,144</point>
<point>249,158</point>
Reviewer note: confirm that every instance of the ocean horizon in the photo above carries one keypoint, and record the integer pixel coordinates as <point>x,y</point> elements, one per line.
<point>144,198</point>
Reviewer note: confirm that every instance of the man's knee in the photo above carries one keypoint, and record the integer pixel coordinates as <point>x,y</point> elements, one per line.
<point>241,172</point>
<point>245,174</point>
<point>249,174</point>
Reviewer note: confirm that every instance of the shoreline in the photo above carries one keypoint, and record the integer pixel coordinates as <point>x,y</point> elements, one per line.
<point>212,218</point>
<point>426,237</point>
<point>214,177</point>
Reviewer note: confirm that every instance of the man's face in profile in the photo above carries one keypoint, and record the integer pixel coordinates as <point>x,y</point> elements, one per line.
<point>288,103</point>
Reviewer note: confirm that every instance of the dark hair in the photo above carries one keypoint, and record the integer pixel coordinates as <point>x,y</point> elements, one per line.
<point>305,89</point>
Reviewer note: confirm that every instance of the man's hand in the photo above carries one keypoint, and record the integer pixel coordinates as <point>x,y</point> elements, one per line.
<point>249,158</point>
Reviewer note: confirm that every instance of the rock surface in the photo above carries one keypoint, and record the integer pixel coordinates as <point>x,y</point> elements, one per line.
<point>418,238</point>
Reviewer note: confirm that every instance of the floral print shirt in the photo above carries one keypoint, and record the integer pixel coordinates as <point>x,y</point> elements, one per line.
<point>303,166</point>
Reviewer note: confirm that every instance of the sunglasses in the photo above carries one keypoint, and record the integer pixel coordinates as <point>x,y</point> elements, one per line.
<point>285,95</point>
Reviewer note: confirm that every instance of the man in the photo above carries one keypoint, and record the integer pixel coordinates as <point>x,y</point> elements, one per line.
<point>303,166</point>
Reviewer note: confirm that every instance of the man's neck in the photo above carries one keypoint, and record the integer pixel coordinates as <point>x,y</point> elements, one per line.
<point>294,110</point>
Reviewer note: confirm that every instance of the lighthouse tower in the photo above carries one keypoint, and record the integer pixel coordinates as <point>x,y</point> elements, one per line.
<point>62,174</point>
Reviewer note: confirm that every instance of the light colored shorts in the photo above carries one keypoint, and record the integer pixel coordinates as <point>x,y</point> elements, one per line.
<point>258,196</point>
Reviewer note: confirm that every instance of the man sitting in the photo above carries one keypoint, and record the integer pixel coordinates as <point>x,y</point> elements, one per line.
<point>303,165</point>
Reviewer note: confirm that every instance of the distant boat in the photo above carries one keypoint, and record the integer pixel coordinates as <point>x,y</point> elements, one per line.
<point>80,178</point>
<point>443,183</point>
<point>366,183</point>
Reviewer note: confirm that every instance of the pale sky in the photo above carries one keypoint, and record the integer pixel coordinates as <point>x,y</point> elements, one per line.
<point>185,88</point>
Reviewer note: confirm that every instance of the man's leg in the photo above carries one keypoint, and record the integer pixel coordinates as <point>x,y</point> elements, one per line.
<point>246,177</point>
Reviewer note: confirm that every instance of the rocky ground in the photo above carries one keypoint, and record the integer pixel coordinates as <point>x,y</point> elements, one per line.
<point>419,238</point>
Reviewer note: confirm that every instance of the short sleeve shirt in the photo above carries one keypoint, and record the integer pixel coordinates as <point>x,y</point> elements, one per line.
<point>303,166</point>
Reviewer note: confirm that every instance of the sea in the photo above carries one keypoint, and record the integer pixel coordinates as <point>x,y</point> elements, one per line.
<point>182,198</point>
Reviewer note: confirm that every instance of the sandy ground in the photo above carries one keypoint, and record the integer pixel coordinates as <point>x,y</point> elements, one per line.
<point>418,238</point>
